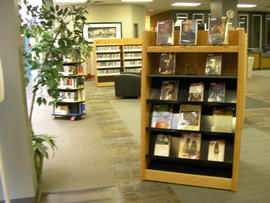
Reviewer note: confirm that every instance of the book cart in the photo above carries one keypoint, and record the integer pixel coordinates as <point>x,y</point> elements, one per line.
<point>71,103</point>
<point>204,173</point>
<point>113,56</point>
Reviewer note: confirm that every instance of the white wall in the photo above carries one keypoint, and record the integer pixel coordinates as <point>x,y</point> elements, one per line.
<point>14,126</point>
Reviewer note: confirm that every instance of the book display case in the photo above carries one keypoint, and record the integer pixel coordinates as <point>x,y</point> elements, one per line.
<point>190,68</point>
<point>113,56</point>
<point>71,102</point>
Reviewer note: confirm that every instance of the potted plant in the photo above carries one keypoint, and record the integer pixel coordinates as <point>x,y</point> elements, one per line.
<point>57,33</point>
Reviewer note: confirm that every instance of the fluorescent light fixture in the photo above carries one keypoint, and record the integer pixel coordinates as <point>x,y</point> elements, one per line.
<point>137,0</point>
<point>70,1</point>
<point>246,5</point>
<point>186,4</point>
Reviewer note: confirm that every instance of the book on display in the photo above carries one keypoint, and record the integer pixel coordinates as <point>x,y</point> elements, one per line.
<point>165,32</point>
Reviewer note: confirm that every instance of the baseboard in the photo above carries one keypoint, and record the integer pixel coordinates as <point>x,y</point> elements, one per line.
<point>22,200</point>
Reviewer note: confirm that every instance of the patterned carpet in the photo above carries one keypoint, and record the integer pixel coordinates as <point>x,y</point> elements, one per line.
<point>123,152</point>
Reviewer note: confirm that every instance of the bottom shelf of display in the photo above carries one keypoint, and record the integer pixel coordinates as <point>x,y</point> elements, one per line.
<point>69,114</point>
<point>190,166</point>
<point>188,179</point>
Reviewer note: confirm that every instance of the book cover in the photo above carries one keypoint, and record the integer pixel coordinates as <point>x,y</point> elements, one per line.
<point>161,116</point>
<point>188,32</point>
<point>169,90</point>
<point>175,121</point>
<point>213,64</point>
<point>61,109</point>
<point>165,32</point>
<point>223,123</point>
<point>167,63</point>
<point>196,92</point>
<point>218,30</point>
<point>162,145</point>
<point>189,117</point>
<point>190,146</point>
<point>216,150</point>
<point>216,92</point>
<point>174,149</point>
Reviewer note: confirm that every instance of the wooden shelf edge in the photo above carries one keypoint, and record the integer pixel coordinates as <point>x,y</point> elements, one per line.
<point>188,179</point>
<point>102,84</point>
<point>194,49</point>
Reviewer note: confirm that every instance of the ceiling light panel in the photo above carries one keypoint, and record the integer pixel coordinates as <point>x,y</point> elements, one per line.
<point>246,5</point>
<point>70,1</point>
<point>136,0</point>
<point>186,4</point>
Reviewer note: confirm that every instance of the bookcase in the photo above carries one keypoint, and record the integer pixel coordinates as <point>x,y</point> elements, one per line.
<point>71,102</point>
<point>201,172</point>
<point>113,56</point>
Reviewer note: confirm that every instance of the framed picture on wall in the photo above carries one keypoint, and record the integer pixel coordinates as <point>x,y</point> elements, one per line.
<point>92,31</point>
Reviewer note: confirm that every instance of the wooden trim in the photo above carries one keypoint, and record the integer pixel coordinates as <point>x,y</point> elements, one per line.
<point>188,179</point>
<point>101,84</point>
<point>196,49</point>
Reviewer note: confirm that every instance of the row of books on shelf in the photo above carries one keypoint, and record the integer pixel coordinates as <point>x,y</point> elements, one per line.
<point>188,146</point>
<point>108,71</point>
<point>132,55</point>
<point>218,32</point>
<point>110,56</point>
<point>137,62</point>
<point>130,47</point>
<point>134,70</point>
<point>71,96</point>
<point>106,48</point>
<point>71,83</point>
<point>70,109</point>
<point>189,117</point>
<point>170,91</point>
<point>108,63</point>
<point>213,64</point>
<point>72,70</point>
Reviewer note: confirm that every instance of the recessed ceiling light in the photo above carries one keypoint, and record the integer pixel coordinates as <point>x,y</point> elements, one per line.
<point>246,5</point>
<point>186,4</point>
<point>136,0</point>
<point>70,1</point>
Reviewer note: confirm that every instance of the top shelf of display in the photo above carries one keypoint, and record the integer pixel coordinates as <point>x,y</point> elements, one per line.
<point>202,44</point>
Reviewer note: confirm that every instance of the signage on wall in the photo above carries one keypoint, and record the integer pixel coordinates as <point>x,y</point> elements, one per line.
<point>92,31</point>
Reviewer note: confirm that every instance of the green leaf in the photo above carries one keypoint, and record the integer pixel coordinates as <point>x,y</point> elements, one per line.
<point>39,100</point>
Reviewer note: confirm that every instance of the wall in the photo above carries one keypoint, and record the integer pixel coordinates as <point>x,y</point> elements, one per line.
<point>15,129</point>
<point>126,14</point>
<point>138,16</point>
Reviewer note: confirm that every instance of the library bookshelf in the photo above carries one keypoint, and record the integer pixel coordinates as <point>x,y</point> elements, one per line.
<point>71,102</point>
<point>203,173</point>
<point>114,56</point>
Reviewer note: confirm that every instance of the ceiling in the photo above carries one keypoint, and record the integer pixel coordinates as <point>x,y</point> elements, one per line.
<point>158,6</point>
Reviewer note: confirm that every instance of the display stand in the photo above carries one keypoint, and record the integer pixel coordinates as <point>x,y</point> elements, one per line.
<point>213,174</point>
<point>71,103</point>
<point>114,56</point>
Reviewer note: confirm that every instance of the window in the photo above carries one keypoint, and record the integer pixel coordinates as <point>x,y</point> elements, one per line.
<point>268,29</point>
<point>135,30</point>
<point>243,21</point>
<point>181,16</point>
<point>199,17</point>
<point>256,31</point>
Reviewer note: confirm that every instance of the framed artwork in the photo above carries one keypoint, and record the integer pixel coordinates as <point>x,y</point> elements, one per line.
<point>92,31</point>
